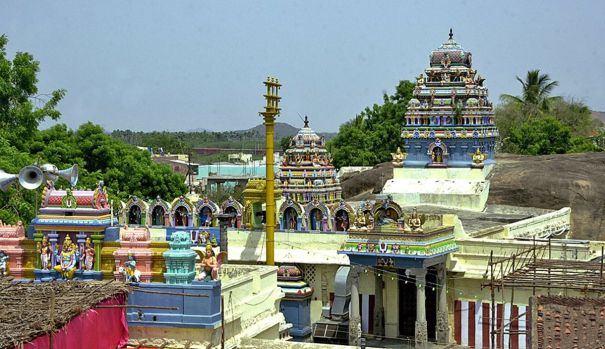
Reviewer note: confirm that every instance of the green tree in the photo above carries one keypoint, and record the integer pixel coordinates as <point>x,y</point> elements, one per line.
<point>575,114</point>
<point>535,95</point>
<point>22,108</point>
<point>284,142</point>
<point>546,136</point>
<point>371,136</point>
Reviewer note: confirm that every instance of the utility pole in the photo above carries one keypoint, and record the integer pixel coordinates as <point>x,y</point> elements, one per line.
<point>271,111</point>
<point>189,169</point>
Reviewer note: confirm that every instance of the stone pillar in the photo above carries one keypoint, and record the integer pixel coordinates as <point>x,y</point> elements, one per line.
<point>354,317</point>
<point>392,308</point>
<point>421,327</point>
<point>97,240</point>
<point>53,240</point>
<point>80,238</point>
<point>443,330</point>
<point>378,307</point>
<point>223,221</point>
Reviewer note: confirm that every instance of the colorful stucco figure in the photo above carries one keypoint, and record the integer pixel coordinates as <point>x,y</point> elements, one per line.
<point>67,259</point>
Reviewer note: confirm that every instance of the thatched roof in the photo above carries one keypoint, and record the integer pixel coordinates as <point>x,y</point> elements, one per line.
<point>25,308</point>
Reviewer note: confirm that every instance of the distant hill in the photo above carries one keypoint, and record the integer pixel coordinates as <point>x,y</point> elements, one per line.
<point>284,130</point>
<point>199,129</point>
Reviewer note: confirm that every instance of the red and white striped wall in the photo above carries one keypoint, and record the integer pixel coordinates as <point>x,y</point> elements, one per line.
<point>472,324</point>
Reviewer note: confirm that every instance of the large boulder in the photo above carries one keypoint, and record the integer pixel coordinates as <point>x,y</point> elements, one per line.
<point>554,182</point>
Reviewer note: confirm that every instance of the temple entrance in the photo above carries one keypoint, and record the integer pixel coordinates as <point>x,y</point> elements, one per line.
<point>134,215</point>
<point>290,218</point>
<point>205,217</point>
<point>342,220</point>
<point>181,217</point>
<point>315,218</point>
<point>157,216</point>
<point>233,219</point>
<point>407,303</point>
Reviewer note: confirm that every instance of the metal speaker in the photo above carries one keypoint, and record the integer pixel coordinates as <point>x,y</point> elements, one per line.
<point>71,175</point>
<point>6,179</point>
<point>50,172</point>
<point>31,177</point>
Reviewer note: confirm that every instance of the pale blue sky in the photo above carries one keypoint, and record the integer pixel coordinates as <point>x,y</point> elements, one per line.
<point>181,65</point>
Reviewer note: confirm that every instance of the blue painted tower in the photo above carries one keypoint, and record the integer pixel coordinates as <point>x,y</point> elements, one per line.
<point>296,305</point>
<point>450,117</point>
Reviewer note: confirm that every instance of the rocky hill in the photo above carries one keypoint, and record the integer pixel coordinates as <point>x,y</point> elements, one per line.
<point>284,130</point>
<point>549,182</point>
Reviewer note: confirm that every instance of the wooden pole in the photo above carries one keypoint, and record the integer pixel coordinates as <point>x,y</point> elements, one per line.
<point>136,306</point>
<point>172,293</point>
<point>52,319</point>
<point>493,317</point>
<point>222,322</point>
<point>503,304</point>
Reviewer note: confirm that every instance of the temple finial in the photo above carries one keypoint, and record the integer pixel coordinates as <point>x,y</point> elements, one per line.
<point>451,34</point>
<point>306,121</point>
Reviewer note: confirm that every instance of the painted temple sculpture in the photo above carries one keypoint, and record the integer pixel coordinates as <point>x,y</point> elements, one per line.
<point>450,116</point>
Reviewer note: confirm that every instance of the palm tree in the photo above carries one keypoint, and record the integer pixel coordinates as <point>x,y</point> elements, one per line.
<point>536,90</point>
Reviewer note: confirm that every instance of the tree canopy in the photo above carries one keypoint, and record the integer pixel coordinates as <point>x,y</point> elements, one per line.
<point>536,123</point>
<point>125,169</point>
<point>535,97</point>
<point>22,108</point>
<point>375,133</point>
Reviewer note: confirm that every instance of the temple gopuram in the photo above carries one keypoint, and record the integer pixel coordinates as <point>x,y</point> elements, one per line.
<point>308,182</point>
<point>449,122</point>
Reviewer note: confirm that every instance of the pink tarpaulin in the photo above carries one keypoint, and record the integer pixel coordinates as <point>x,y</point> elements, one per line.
<point>98,328</point>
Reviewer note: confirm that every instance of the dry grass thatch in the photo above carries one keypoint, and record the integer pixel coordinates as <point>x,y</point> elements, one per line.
<point>27,311</point>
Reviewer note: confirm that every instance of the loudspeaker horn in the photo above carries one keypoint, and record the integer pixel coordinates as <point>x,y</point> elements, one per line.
<point>31,177</point>
<point>70,174</point>
<point>6,179</point>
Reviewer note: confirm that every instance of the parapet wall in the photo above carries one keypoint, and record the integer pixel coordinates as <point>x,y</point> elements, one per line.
<point>554,223</point>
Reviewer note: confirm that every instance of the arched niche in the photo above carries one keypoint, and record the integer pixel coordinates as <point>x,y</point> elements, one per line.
<point>182,212</point>
<point>317,216</point>
<point>159,212</point>
<point>136,212</point>
<point>206,211</point>
<point>234,208</point>
<point>290,215</point>
<point>342,214</point>
<point>438,154</point>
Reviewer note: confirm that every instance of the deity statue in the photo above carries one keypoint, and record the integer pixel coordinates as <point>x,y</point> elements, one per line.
<point>131,267</point>
<point>478,158</point>
<point>45,252</point>
<point>415,222</point>
<point>210,264</point>
<point>88,256</point>
<point>360,221</point>
<point>3,264</point>
<point>420,80</point>
<point>284,160</point>
<point>398,157</point>
<point>67,259</point>
<point>446,61</point>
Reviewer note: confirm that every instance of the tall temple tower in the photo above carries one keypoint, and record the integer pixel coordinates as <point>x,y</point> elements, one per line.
<point>449,135</point>
<point>450,118</point>
<point>306,171</point>
<point>308,181</point>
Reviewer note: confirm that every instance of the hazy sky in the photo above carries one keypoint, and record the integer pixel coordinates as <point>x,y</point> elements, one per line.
<point>181,65</point>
